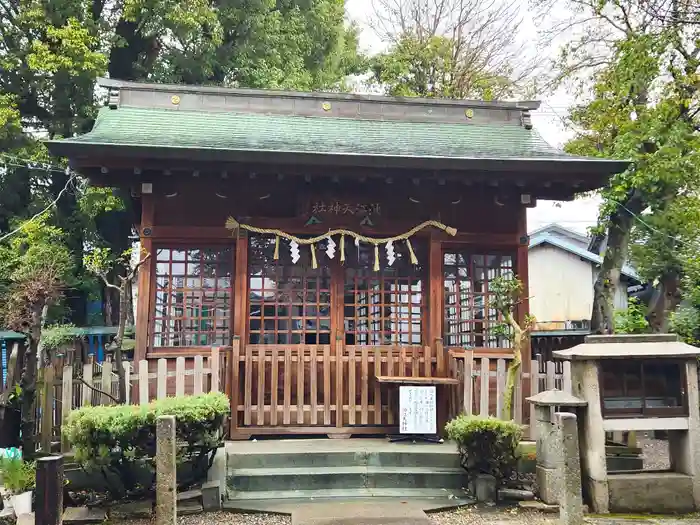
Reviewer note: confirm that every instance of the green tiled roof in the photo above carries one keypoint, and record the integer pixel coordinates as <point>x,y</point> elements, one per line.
<point>140,127</point>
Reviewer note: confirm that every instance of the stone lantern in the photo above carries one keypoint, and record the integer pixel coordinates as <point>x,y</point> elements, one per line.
<point>638,383</point>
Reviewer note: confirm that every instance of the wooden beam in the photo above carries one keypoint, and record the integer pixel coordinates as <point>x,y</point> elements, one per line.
<point>145,279</point>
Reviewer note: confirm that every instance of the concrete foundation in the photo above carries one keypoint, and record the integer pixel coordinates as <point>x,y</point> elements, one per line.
<point>653,492</point>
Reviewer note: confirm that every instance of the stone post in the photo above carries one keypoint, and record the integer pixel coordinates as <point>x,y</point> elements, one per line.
<point>584,375</point>
<point>49,491</point>
<point>570,497</point>
<point>684,445</point>
<point>166,466</point>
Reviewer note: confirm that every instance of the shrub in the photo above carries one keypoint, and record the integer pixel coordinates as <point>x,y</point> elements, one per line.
<point>120,441</point>
<point>17,475</point>
<point>486,445</point>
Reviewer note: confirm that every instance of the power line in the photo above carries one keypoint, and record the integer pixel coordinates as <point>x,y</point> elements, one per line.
<point>638,218</point>
<point>45,167</point>
<point>19,162</point>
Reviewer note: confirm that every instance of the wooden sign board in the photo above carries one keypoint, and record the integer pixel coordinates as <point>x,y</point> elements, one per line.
<point>417,410</point>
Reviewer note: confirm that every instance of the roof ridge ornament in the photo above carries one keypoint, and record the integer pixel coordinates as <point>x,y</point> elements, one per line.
<point>526,119</point>
<point>113,98</point>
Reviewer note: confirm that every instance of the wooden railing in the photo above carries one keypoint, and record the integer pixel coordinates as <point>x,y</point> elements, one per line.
<point>310,388</point>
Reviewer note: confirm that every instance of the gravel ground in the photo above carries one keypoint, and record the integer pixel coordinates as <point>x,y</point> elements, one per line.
<point>220,518</point>
<point>494,516</point>
<point>655,452</point>
<point>480,516</point>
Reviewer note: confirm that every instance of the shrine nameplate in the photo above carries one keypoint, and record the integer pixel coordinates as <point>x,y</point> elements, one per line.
<point>417,410</point>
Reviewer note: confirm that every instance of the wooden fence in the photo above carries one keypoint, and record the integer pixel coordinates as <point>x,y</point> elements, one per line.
<point>483,385</point>
<point>98,384</point>
<point>277,392</point>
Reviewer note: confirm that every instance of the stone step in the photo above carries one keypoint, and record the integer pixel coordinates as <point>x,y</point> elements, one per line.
<point>446,458</point>
<point>439,498</point>
<point>358,477</point>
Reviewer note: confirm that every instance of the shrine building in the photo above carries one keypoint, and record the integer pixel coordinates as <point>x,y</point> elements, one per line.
<point>327,243</point>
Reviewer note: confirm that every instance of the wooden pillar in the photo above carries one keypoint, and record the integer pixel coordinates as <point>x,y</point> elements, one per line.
<point>522,271</point>
<point>49,491</point>
<point>435,287</point>
<point>338,338</point>
<point>240,289</point>
<point>145,278</point>
<point>240,328</point>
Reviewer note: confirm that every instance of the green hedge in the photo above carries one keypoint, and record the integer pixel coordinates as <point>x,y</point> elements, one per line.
<point>486,445</point>
<point>121,440</point>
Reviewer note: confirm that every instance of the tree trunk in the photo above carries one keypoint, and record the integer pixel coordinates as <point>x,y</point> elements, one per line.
<point>108,309</point>
<point>130,321</point>
<point>615,256</point>
<point>118,340</point>
<point>669,298</point>
<point>519,337</point>
<point>28,384</point>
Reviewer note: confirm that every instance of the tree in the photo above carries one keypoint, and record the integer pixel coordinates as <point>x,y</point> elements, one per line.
<point>451,49</point>
<point>101,262</point>
<point>638,73</point>
<point>35,267</point>
<point>508,296</point>
<point>52,51</point>
<point>660,255</point>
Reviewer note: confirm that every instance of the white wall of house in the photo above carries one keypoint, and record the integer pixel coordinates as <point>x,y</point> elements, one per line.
<point>561,285</point>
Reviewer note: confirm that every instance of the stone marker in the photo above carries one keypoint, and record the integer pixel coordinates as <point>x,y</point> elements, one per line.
<point>49,491</point>
<point>570,497</point>
<point>166,467</point>
<point>549,453</point>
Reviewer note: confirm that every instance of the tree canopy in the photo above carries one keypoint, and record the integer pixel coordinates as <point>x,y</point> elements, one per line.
<point>636,70</point>
<point>53,51</point>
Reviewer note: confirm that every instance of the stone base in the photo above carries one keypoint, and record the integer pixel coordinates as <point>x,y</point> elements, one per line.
<point>132,510</point>
<point>549,484</point>
<point>211,495</point>
<point>653,492</point>
<point>485,488</point>
<point>83,515</point>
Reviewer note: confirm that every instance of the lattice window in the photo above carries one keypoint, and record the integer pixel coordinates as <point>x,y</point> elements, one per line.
<point>469,318</point>
<point>384,307</point>
<point>288,303</point>
<point>193,296</point>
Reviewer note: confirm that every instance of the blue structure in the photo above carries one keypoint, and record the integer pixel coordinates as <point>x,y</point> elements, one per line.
<point>6,337</point>
<point>98,337</point>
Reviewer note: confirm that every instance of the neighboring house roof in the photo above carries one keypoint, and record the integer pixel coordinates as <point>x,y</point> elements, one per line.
<point>552,235</point>
<point>556,229</point>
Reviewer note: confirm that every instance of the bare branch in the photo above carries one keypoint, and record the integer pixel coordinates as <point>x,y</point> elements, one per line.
<point>484,37</point>
<point>94,389</point>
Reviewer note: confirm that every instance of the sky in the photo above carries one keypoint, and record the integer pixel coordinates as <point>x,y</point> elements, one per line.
<point>577,215</point>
